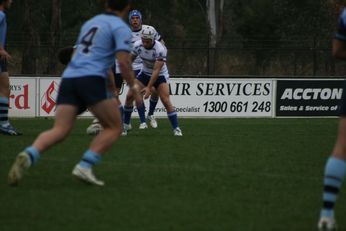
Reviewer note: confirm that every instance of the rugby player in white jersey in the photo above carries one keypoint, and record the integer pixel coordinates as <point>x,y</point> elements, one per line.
<point>135,20</point>
<point>154,74</point>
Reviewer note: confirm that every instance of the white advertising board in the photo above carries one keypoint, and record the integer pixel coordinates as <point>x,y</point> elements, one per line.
<point>192,97</point>
<point>22,97</point>
<point>218,98</point>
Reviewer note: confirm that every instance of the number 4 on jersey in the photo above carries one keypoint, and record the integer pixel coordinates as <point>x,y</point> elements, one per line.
<point>87,39</point>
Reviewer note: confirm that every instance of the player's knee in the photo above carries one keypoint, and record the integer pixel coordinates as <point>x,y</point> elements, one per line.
<point>62,132</point>
<point>165,101</point>
<point>114,131</point>
<point>129,98</point>
<point>113,124</point>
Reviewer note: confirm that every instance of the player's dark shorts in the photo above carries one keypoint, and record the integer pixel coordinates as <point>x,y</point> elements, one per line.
<point>82,92</point>
<point>3,66</point>
<point>144,78</point>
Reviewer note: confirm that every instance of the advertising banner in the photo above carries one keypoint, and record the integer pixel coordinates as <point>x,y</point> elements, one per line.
<point>308,97</point>
<point>192,97</point>
<point>217,98</point>
<point>22,97</point>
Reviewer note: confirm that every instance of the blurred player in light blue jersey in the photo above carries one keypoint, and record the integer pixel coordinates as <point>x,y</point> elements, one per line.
<point>135,20</point>
<point>64,57</point>
<point>84,86</point>
<point>154,73</point>
<point>335,168</point>
<point>5,126</point>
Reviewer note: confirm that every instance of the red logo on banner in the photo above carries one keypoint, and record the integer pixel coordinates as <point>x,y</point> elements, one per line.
<point>48,99</point>
<point>21,101</point>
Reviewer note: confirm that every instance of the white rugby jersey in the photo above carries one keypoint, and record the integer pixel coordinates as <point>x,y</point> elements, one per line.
<point>136,35</point>
<point>149,56</point>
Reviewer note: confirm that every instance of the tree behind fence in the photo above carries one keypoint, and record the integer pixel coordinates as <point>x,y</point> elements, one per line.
<point>289,58</point>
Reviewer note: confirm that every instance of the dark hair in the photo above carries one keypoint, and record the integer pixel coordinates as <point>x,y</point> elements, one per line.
<point>117,4</point>
<point>65,54</point>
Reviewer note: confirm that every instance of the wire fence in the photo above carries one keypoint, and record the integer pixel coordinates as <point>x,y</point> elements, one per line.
<point>294,58</point>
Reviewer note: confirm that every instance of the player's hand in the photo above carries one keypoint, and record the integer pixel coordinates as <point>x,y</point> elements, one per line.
<point>4,55</point>
<point>146,92</point>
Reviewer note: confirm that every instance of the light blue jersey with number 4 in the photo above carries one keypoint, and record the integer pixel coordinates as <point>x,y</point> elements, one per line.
<point>99,39</point>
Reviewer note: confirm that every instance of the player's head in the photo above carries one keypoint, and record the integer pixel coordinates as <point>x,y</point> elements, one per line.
<point>135,19</point>
<point>65,54</point>
<point>6,3</point>
<point>148,36</point>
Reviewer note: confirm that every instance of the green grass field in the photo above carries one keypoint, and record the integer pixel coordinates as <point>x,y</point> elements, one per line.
<point>223,174</point>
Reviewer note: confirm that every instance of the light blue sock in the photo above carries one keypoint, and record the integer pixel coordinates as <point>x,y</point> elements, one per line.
<point>33,153</point>
<point>4,111</point>
<point>141,112</point>
<point>173,118</point>
<point>90,159</point>
<point>127,114</point>
<point>334,174</point>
